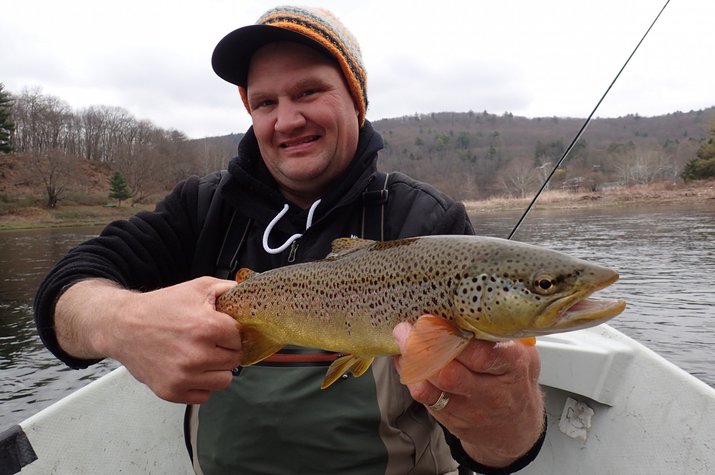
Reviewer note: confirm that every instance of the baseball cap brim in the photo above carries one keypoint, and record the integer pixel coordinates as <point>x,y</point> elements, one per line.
<point>232,55</point>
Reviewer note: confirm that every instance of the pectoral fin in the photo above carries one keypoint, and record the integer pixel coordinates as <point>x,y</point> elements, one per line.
<point>433,343</point>
<point>357,365</point>
<point>530,341</point>
<point>255,346</point>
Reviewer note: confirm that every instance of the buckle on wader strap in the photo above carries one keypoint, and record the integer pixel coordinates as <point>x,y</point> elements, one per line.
<point>372,225</point>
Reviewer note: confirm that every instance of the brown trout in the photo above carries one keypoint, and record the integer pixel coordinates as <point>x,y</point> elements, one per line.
<point>472,287</point>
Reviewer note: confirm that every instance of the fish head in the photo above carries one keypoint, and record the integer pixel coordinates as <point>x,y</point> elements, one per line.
<point>524,291</point>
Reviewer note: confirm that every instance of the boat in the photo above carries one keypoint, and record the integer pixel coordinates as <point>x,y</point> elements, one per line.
<point>614,407</point>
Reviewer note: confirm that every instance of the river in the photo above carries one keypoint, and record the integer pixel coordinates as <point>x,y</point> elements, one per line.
<point>665,255</point>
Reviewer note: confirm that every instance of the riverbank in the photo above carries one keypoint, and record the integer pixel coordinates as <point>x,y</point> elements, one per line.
<point>613,197</point>
<point>31,217</point>
<point>28,217</point>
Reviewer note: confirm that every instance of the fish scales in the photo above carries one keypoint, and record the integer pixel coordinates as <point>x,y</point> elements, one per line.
<point>481,287</point>
<point>363,294</point>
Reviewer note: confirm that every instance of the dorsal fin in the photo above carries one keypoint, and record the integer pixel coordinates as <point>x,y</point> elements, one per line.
<point>244,274</point>
<point>342,246</point>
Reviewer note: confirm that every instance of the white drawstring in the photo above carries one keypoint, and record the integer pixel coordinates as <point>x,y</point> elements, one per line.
<point>290,240</point>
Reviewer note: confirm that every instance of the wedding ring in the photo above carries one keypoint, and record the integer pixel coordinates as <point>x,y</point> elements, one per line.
<point>441,402</point>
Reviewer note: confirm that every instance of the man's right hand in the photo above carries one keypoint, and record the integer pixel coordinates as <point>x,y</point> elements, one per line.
<point>172,339</point>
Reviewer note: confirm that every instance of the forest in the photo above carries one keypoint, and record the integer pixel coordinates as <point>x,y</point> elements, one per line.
<point>57,152</point>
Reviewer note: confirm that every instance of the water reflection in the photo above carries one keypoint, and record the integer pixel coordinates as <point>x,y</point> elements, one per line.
<point>31,378</point>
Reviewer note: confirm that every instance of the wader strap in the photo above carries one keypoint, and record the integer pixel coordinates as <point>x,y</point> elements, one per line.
<point>227,260</point>
<point>210,206</point>
<point>208,187</point>
<point>375,194</point>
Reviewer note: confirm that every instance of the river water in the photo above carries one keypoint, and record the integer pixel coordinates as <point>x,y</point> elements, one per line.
<point>665,256</point>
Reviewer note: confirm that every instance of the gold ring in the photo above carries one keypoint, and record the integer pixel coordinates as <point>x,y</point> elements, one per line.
<point>441,402</point>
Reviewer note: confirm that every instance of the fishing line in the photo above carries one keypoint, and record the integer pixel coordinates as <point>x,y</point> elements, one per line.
<point>583,127</point>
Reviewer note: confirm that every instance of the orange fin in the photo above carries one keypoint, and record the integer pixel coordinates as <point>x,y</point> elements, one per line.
<point>244,274</point>
<point>255,346</point>
<point>357,365</point>
<point>530,341</point>
<point>433,343</point>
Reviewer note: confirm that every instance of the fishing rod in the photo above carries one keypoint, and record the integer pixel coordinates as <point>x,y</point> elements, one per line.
<point>583,127</point>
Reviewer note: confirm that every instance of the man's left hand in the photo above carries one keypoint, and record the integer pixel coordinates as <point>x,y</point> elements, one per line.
<point>495,406</point>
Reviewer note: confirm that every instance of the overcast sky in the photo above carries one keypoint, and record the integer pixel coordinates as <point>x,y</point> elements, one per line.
<point>528,57</point>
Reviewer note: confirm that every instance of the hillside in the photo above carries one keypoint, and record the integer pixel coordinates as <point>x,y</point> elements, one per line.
<point>469,155</point>
<point>477,155</point>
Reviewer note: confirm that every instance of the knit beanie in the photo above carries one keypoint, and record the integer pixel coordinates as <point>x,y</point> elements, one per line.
<point>314,27</point>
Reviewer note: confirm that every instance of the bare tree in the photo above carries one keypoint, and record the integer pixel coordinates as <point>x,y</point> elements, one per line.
<point>57,170</point>
<point>519,180</point>
<point>141,162</point>
<point>642,165</point>
<point>42,122</point>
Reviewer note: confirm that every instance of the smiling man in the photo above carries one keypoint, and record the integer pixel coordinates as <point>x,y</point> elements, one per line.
<point>144,291</point>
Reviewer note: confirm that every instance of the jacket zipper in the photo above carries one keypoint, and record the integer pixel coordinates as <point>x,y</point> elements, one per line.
<point>293,251</point>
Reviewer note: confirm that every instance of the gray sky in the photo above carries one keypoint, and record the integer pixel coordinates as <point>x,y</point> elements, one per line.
<point>528,57</point>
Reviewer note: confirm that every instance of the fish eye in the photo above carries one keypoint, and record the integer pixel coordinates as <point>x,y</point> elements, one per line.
<point>544,284</point>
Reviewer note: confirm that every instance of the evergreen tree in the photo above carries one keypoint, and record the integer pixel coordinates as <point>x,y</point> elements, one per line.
<point>118,188</point>
<point>6,124</point>
<point>702,167</point>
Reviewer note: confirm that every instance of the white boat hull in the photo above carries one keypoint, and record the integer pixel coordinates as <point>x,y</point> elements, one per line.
<point>649,416</point>
<point>113,425</point>
<point>614,407</point>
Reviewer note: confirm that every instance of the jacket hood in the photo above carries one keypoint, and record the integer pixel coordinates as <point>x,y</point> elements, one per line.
<point>252,189</point>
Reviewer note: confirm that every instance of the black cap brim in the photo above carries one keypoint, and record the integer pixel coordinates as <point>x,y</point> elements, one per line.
<point>232,55</point>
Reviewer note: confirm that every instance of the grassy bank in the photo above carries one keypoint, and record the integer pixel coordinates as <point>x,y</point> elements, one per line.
<point>625,196</point>
<point>27,213</point>
<point>28,217</point>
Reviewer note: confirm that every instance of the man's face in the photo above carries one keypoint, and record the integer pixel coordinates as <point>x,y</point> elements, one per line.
<point>304,118</point>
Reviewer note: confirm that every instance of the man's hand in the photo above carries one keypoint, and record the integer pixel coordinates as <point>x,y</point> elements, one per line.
<point>495,405</point>
<point>172,339</point>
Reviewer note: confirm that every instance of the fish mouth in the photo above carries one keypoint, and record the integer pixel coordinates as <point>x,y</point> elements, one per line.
<point>589,312</point>
<point>579,310</point>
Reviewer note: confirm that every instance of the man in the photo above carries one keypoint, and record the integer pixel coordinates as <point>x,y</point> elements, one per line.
<point>141,291</point>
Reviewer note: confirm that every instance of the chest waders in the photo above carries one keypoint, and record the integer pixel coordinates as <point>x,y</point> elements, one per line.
<point>278,400</point>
